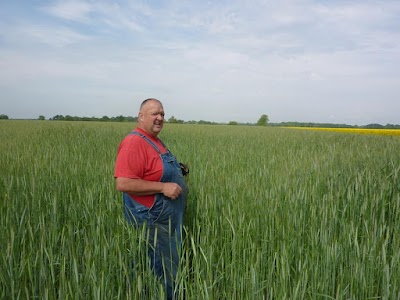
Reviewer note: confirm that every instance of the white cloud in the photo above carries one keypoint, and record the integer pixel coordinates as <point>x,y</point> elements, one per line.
<point>70,10</point>
<point>55,36</point>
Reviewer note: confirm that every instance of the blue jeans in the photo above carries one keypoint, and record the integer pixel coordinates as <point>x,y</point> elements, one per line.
<point>163,223</point>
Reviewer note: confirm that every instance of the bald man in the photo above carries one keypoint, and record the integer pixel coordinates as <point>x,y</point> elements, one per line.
<point>154,190</point>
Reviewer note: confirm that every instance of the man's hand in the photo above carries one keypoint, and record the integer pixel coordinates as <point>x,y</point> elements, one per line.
<point>171,190</point>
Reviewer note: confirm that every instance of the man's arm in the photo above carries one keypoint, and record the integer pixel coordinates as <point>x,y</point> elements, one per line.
<point>142,187</point>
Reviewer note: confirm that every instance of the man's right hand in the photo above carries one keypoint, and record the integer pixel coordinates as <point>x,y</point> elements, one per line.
<point>171,190</point>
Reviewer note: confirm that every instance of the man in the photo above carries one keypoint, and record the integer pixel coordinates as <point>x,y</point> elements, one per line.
<point>154,190</point>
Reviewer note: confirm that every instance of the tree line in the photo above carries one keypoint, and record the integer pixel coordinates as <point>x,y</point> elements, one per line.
<point>333,125</point>
<point>102,119</point>
<point>262,121</point>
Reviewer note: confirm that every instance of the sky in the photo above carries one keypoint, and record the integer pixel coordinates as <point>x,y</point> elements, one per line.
<point>320,61</point>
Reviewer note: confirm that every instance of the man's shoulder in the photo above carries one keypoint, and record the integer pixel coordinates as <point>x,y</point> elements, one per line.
<point>137,140</point>
<point>133,141</point>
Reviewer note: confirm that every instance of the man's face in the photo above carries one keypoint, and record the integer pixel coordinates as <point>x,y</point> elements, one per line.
<point>151,117</point>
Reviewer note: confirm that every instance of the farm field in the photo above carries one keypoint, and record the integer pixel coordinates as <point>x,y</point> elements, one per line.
<point>390,132</point>
<point>273,213</point>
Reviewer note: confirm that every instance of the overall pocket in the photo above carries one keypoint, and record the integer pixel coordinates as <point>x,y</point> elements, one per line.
<point>163,211</point>
<point>134,212</point>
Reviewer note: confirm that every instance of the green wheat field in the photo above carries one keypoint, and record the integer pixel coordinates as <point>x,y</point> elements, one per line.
<point>273,213</point>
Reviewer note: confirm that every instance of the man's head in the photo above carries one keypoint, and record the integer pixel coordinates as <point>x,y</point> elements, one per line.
<point>151,116</point>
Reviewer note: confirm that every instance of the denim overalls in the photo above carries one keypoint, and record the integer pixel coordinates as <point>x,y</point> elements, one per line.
<point>164,220</point>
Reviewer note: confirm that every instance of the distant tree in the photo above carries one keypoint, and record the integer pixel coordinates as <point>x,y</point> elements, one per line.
<point>374,126</point>
<point>120,118</point>
<point>69,118</point>
<point>206,122</point>
<point>41,118</point>
<point>392,126</point>
<point>174,120</point>
<point>58,117</point>
<point>232,123</point>
<point>3,117</point>
<point>263,120</point>
<point>105,119</point>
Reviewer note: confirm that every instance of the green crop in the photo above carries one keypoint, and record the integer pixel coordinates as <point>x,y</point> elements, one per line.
<point>272,213</point>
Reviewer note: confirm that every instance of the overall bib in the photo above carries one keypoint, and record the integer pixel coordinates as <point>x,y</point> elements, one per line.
<point>164,221</point>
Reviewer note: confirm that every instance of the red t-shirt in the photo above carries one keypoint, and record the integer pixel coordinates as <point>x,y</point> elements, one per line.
<point>136,158</point>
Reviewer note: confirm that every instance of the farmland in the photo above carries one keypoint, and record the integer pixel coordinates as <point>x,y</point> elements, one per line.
<point>389,132</point>
<point>273,213</point>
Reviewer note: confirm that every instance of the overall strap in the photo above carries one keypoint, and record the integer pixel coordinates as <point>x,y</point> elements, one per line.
<point>149,141</point>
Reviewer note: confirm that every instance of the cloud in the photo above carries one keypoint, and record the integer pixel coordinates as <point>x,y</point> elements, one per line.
<point>101,13</point>
<point>70,10</point>
<point>55,36</point>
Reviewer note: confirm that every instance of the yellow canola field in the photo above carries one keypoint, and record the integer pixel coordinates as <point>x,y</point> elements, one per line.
<point>390,132</point>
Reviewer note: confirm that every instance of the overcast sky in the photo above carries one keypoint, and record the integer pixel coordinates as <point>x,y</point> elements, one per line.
<point>306,61</point>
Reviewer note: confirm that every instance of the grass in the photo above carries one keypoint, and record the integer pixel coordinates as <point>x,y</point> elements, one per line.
<point>273,213</point>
